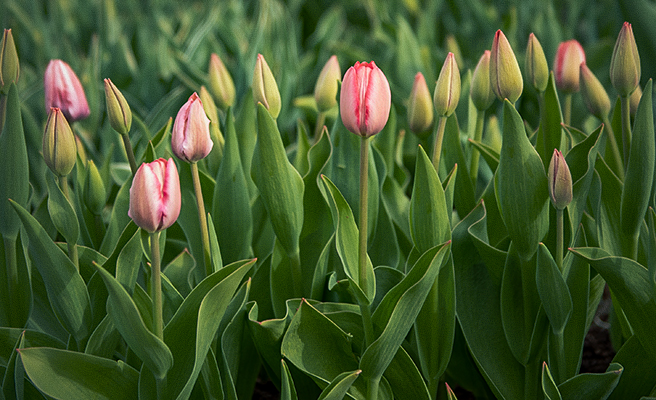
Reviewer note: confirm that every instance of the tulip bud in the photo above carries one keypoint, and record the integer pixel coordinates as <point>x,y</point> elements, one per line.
<point>625,63</point>
<point>560,181</point>
<point>634,100</point>
<point>505,75</point>
<point>9,65</point>
<point>447,88</point>
<point>325,90</point>
<point>59,148</point>
<point>265,88</point>
<point>215,132</point>
<point>569,57</point>
<point>365,99</point>
<point>94,189</point>
<point>81,151</point>
<point>420,105</point>
<point>481,90</point>
<point>594,94</point>
<point>118,110</point>
<point>155,195</point>
<point>221,84</point>
<point>537,69</point>
<point>64,91</point>
<point>190,138</point>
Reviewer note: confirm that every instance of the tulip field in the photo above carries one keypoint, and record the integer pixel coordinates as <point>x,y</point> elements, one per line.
<point>328,200</point>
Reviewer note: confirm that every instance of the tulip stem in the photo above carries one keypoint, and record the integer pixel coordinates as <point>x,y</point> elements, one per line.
<point>12,274</point>
<point>626,127</point>
<point>202,217</point>
<point>617,163</point>
<point>72,248</point>
<point>437,148</point>
<point>130,153</point>
<point>560,239</point>
<point>567,109</point>
<point>156,286</point>
<point>475,155</point>
<point>362,236</point>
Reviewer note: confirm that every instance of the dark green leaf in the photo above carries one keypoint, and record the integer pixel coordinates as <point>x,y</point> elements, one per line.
<point>61,212</point>
<point>553,290</point>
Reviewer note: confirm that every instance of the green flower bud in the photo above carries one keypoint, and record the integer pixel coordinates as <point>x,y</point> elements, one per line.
<point>118,109</point>
<point>537,69</point>
<point>59,148</point>
<point>447,88</point>
<point>505,75</point>
<point>215,131</point>
<point>94,194</point>
<point>481,90</point>
<point>420,106</point>
<point>221,84</point>
<point>625,63</point>
<point>325,90</point>
<point>265,88</point>
<point>634,100</point>
<point>560,181</point>
<point>9,65</point>
<point>594,94</point>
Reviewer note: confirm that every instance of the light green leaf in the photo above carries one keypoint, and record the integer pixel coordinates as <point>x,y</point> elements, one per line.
<point>550,131</point>
<point>119,218</point>
<point>465,199</point>
<point>179,270</point>
<point>337,389</point>
<point>70,375</point>
<point>549,387</point>
<point>215,250</point>
<point>592,386</point>
<point>553,290</point>
<point>490,155</point>
<point>61,212</point>
<point>288,391</point>
<point>129,261</point>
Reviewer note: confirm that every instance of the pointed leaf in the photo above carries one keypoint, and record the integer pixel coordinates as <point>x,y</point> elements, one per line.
<point>549,387</point>
<point>61,212</point>
<point>337,389</point>
<point>553,290</point>
<point>592,386</point>
<point>288,391</point>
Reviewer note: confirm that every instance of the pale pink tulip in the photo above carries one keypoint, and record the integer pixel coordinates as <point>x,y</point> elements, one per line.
<point>569,57</point>
<point>190,139</point>
<point>155,195</point>
<point>64,91</point>
<point>365,99</point>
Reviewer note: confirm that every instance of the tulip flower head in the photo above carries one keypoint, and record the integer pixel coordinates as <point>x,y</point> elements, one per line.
<point>594,95</point>
<point>625,63</point>
<point>9,65</point>
<point>447,88</point>
<point>325,90</point>
<point>64,91</point>
<point>560,181</point>
<point>265,88</point>
<point>365,99</point>
<point>569,57</point>
<point>59,147</point>
<point>118,109</point>
<point>155,195</point>
<point>537,69</point>
<point>221,84</point>
<point>505,75</point>
<point>420,105</point>
<point>480,89</point>
<point>190,139</point>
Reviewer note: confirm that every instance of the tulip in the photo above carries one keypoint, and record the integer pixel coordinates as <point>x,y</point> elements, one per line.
<point>190,138</point>
<point>9,65</point>
<point>220,82</point>
<point>481,91</point>
<point>634,100</point>
<point>537,69</point>
<point>505,75</point>
<point>59,147</point>
<point>94,193</point>
<point>365,99</point>
<point>155,195</point>
<point>447,88</point>
<point>265,88</point>
<point>560,181</point>
<point>118,109</point>
<point>625,62</point>
<point>325,90</point>
<point>64,91</point>
<point>569,57</point>
<point>420,106</point>
<point>594,95</point>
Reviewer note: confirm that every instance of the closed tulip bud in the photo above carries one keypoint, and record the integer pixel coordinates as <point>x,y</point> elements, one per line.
<point>481,91</point>
<point>190,138</point>
<point>505,75</point>
<point>560,181</point>
<point>625,63</point>
<point>420,106</point>
<point>447,88</point>
<point>537,69</point>
<point>215,133</point>
<point>265,88</point>
<point>634,100</point>
<point>118,109</point>
<point>94,189</point>
<point>569,57</point>
<point>365,99</point>
<point>64,91</point>
<point>155,195</point>
<point>9,65</point>
<point>325,90</point>
<point>59,147</point>
<point>221,84</point>
<point>594,94</point>
<point>81,151</point>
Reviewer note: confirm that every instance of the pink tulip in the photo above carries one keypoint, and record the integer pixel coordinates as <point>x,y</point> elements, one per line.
<point>569,57</point>
<point>365,99</point>
<point>64,91</point>
<point>155,195</point>
<point>191,139</point>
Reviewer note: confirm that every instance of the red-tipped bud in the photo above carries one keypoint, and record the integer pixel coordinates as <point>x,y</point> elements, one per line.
<point>365,99</point>
<point>190,138</point>
<point>569,57</point>
<point>560,181</point>
<point>64,91</point>
<point>625,63</point>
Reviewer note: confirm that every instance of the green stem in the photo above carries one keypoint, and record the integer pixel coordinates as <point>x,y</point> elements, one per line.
<point>72,248</point>
<point>372,388</point>
<point>437,148</point>
<point>560,372</point>
<point>478,136</point>
<point>617,163</point>
<point>560,239</point>
<point>626,127</point>
<point>12,272</point>
<point>130,153</point>
<point>321,121</point>
<point>364,199</point>
<point>100,229</point>
<point>156,286</point>
<point>3,110</point>
<point>567,109</point>
<point>202,217</point>
<point>297,277</point>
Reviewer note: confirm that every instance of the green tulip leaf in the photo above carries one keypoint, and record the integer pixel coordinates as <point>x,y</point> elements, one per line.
<point>638,375</point>
<point>61,212</point>
<point>549,387</point>
<point>465,198</point>
<point>287,391</point>
<point>553,290</point>
<point>592,386</point>
<point>550,132</point>
<point>337,389</point>
<point>489,154</point>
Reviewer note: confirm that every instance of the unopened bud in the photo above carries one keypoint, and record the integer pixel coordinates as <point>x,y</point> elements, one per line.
<point>59,148</point>
<point>325,90</point>
<point>569,57</point>
<point>481,91</point>
<point>265,88</point>
<point>118,109</point>
<point>220,82</point>
<point>447,88</point>
<point>420,106</point>
<point>594,95</point>
<point>560,181</point>
<point>505,75</point>
<point>9,65</point>
<point>94,189</point>
<point>625,63</point>
<point>537,70</point>
<point>634,100</point>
